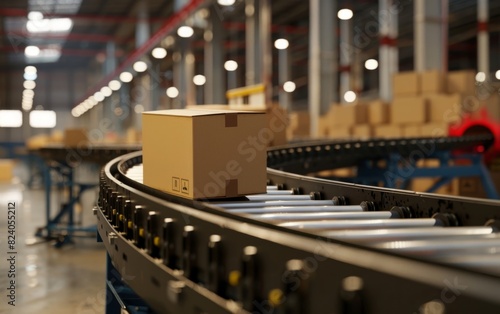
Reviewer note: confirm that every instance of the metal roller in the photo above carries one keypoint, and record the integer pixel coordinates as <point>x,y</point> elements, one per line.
<point>361,224</point>
<point>286,216</point>
<point>405,233</point>
<point>271,197</point>
<point>275,203</point>
<point>296,209</point>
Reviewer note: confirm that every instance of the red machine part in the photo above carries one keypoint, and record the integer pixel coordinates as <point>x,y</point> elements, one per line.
<point>482,124</point>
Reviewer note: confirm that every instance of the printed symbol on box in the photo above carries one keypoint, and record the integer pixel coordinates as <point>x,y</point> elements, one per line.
<point>176,184</point>
<point>185,186</point>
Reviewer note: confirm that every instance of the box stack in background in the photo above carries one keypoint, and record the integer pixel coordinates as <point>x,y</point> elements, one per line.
<point>299,125</point>
<point>6,170</point>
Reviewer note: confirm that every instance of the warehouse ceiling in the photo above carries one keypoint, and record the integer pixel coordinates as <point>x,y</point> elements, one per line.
<point>94,23</point>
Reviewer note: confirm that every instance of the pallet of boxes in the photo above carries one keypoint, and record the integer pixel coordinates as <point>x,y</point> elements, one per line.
<point>425,104</point>
<point>344,121</point>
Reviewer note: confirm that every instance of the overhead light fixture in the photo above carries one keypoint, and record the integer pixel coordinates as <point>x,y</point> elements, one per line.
<point>185,31</point>
<point>139,108</point>
<point>106,91</point>
<point>126,77</point>
<point>35,15</point>
<point>57,25</point>
<point>289,86</point>
<point>29,84</point>
<point>172,92</point>
<point>28,93</point>
<point>29,76</point>
<point>114,85</point>
<point>98,96</point>
<point>230,65</point>
<point>350,96</point>
<point>345,14</point>
<point>199,79</point>
<point>11,118</point>
<point>159,53</point>
<point>480,77</point>
<point>31,51</point>
<point>371,64</point>
<point>497,74</point>
<point>43,119</point>
<point>30,69</point>
<point>281,43</point>
<point>226,2</point>
<point>140,66</point>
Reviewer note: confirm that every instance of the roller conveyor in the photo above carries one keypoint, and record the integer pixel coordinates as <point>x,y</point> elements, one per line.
<point>316,234</point>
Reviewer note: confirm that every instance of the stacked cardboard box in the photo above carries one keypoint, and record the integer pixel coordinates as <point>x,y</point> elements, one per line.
<point>6,170</point>
<point>299,125</point>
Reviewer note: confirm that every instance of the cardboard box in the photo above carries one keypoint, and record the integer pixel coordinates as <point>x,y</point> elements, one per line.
<point>6,170</point>
<point>75,137</point>
<point>339,132</point>
<point>299,124</point>
<point>406,84</point>
<point>378,112</point>
<point>462,82</point>
<point>435,129</point>
<point>205,153</point>
<point>348,115</point>
<point>491,102</point>
<point>323,123</point>
<point>445,108</point>
<point>277,118</point>
<point>411,130</point>
<point>388,131</point>
<point>409,110</point>
<point>432,81</point>
<point>362,131</point>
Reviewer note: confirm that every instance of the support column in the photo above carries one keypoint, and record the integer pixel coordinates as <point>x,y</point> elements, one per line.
<point>251,42</point>
<point>322,56</point>
<point>388,50</point>
<point>184,72</point>
<point>284,76</point>
<point>483,40</point>
<point>141,92</point>
<point>430,44</point>
<point>214,60</point>
<point>346,53</point>
<point>258,45</point>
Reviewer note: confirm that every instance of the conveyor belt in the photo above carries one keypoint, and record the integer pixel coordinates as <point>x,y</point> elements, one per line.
<point>307,245</point>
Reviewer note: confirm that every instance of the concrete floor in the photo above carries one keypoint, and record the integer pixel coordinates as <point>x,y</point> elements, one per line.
<point>70,279</point>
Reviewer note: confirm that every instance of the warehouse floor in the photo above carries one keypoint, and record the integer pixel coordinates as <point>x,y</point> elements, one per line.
<point>50,280</point>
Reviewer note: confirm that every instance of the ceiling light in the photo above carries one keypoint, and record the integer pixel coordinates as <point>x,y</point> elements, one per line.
<point>106,91</point>
<point>497,74</point>
<point>115,85</point>
<point>199,80</point>
<point>230,65</point>
<point>11,118</point>
<point>350,96</point>
<point>30,69</point>
<point>31,51</point>
<point>28,93</point>
<point>159,53</point>
<point>185,31</point>
<point>480,77</point>
<point>371,64</point>
<point>49,25</point>
<point>29,84</point>
<point>140,66</point>
<point>35,15</point>
<point>29,76</point>
<point>172,92</point>
<point>345,14</point>
<point>281,44</point>
<point>138,108</point>
<point>43,119</point>
<point>98,96</point>
<point>126,77</point>
<point>226,2</point>
<point>289,86</point>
